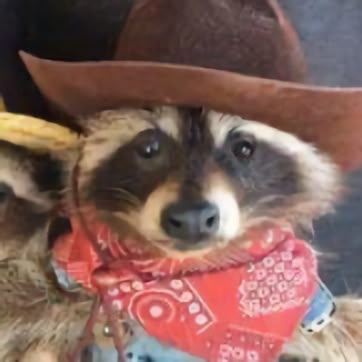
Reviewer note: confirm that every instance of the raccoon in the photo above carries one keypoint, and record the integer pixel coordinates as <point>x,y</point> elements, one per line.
<point>35,317</point>
<point>184,181</point>
<point>188,181</point>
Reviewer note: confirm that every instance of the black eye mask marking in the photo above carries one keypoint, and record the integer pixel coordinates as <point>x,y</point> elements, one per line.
<point>150,159</point>
<point>136,168</point>
<point>257,168</point>
<point>6,192</point>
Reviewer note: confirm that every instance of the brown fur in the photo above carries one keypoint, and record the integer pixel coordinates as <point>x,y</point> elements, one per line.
<point>341,341</point>
<point>34,314</point>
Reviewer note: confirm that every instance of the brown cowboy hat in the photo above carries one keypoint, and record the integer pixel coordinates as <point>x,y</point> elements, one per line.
<point>235,56</point>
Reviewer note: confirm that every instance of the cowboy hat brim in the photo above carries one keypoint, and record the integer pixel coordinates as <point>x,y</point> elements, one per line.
<point>327,117</point>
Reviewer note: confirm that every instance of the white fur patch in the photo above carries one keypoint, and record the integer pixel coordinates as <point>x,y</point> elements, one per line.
<point>219,192</point>
<point>230,218</point>
<point>14,173</point>
<point>320,177</point>
<point>169,121</point>
<point>109,130</point>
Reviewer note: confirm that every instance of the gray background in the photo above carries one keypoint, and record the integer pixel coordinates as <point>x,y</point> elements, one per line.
<point>331,33</point>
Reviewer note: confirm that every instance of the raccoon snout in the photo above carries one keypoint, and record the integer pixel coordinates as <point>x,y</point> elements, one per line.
<point>191,222</point>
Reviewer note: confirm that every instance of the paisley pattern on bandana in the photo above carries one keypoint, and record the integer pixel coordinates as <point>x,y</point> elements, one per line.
<point>241,312</point>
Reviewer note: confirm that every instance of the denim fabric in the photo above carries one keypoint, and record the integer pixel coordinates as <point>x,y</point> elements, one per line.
<point>142,348</point>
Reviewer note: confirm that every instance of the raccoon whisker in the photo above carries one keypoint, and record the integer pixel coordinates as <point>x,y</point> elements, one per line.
<point>254,221</point>
<point>224,117</point>
<point>65,190</point>
<point>118,197</point>
<point>50,194</point>
<point>299,203</point>
<point>123,217</point>
<point>344,333</point>
<point>116,189</point>
<point>270,198</point>
<point>36,301</point>
<point>121,200</point>
<point>120,194</point>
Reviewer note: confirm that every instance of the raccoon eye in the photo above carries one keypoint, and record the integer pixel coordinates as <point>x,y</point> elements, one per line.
<point>243,149</point>
<point>149,150</point>
<point>149,145</point>
<point>6,193</point>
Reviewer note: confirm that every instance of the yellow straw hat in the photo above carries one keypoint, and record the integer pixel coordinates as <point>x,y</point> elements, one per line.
<point>35,134</point>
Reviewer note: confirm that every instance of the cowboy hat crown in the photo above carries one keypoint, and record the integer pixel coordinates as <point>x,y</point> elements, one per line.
<point>234,56</point>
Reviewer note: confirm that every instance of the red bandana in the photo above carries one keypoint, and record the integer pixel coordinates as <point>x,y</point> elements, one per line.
<point>245,312</point>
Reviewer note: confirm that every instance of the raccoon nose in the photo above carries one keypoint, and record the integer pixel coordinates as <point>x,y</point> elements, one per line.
<point>191,222</point>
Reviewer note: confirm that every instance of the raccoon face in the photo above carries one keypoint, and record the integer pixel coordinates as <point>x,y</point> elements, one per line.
<point>28,192</point>
<point>191,179</point>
